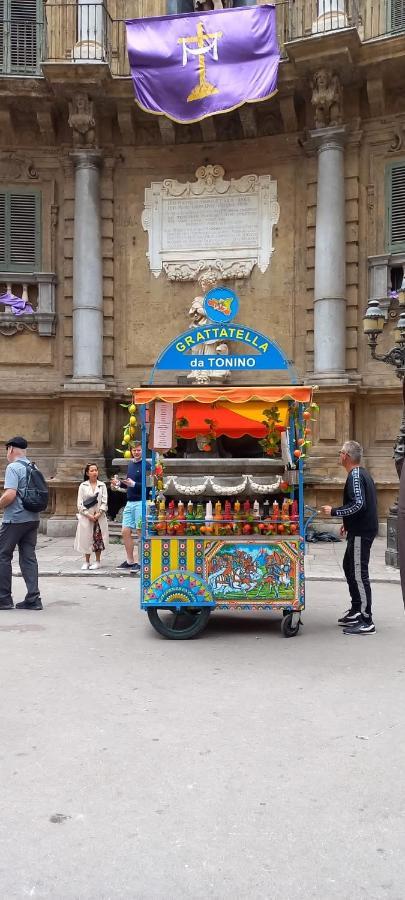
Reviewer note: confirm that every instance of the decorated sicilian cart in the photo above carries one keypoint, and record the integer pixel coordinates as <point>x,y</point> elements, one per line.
<point>224,528</point>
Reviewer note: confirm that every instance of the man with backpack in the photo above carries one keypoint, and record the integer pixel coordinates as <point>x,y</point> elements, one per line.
<point>20,503</point>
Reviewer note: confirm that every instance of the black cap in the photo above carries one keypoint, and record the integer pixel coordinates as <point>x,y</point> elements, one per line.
<point>18,441</point>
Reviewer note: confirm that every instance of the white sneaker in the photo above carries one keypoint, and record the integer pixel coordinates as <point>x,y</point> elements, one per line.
<point>95,565</point>
<point>85,566</point>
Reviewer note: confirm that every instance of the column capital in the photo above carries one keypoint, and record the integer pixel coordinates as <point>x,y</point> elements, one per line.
<point>86,159</point>
<point>331,138</point>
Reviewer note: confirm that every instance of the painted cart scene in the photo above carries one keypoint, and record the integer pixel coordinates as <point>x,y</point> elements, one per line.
<point>222,477</point>
<point>258,573</point>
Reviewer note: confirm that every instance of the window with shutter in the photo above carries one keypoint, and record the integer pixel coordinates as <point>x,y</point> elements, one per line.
<point>395,194</point>
<point>20,231</point>
<point>20,36</point>
<point>397,15</point>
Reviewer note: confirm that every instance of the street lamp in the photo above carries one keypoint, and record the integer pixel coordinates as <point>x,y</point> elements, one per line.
<point>373,324</point>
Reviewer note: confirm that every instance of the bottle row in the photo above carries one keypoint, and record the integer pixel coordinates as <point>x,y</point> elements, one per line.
<point>171,518</point>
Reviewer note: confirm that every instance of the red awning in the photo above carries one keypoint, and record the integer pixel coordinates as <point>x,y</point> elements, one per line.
<point>298,393</point>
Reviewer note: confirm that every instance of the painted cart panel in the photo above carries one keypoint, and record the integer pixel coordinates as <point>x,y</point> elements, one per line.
<point>258,574</point>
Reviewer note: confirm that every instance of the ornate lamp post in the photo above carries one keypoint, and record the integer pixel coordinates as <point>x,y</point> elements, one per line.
<point>373,324</point>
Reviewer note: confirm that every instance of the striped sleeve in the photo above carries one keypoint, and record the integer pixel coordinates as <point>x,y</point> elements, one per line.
<point>357,500</point>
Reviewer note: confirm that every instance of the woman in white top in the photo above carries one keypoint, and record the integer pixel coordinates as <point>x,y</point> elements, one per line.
<point>92,526</point>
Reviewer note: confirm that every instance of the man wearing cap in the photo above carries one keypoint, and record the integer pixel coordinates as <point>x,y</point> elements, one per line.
<point>19,528</point>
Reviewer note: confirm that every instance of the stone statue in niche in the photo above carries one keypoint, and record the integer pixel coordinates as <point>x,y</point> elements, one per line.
<point>82,122</point>
<point>198,319</point>
<point>326,99</point>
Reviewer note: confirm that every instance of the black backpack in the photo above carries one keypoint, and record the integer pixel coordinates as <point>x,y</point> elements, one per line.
<point>36,494</point>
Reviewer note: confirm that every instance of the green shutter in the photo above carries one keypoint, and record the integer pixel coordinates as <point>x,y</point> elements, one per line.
<point>397,11</point>
<point>20,36</point>
<point>395,195</point>
<point>20,231</point>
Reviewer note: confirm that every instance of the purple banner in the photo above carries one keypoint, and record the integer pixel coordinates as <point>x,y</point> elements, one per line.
<point>192,66</point>
<point>18,306</point>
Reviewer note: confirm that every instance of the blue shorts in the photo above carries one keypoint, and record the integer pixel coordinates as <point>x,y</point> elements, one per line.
<point>132,515</point>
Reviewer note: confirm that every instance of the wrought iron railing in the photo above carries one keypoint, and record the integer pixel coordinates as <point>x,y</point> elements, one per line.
<point>79,32</point>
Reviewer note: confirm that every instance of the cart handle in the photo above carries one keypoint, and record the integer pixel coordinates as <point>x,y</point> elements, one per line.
<point>311,515</point>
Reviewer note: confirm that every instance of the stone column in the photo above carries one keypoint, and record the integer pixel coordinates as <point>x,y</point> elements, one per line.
<point>87,270</point>
<point>330,256</point>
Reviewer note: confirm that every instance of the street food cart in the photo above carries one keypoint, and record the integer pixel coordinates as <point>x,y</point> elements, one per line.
<point>224,528</point>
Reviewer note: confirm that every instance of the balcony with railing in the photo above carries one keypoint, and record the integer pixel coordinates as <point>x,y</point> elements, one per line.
<point>81,32</point>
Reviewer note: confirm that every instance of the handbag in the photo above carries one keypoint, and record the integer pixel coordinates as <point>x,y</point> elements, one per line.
<point>90,501</point>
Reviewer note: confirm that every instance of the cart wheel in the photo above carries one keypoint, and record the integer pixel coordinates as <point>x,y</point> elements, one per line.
<point>287,628</point>
<point>179,625</point>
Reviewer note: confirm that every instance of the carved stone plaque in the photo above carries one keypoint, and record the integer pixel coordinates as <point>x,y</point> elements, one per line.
<point>212,226</point>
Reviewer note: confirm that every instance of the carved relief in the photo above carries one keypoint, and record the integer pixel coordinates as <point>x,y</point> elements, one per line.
<point>326,99</point>
<point>13,167</point>
<point>82,122</point>
<point>9,327</point>
<point>187,222</point>
<point>397,142</point>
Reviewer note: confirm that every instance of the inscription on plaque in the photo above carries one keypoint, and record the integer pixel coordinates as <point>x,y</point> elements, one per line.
<point>210,225</point>
<point>214,223</point>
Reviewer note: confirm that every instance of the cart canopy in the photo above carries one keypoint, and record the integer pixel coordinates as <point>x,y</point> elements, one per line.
<point>269,395</point>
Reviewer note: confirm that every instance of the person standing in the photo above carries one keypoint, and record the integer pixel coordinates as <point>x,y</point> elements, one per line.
<point>19,529</point>
<point>132,514</point>
<point>360,522</point>
<point>92,526</point>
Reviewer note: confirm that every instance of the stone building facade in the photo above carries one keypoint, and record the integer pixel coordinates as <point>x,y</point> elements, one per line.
<point>76,156</point>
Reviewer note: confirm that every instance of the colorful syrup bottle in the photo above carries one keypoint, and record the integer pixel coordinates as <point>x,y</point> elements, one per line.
<point>228,511</point>
<point>285,509</point>
<point>217,517</point>
<point>256,509</point>
<point>190,528</point>
<point>161,522</point>
<point>200,514</point>
<point>208,516</point>
<point>266,509</point>
<point>237,517</point>
<point>275,513</point>
<point>181,526</point>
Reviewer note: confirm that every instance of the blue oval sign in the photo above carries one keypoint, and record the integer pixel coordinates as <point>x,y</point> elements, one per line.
<point>221,305</point>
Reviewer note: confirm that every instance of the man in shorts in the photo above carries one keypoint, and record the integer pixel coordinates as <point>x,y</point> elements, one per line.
<point>132,514</point>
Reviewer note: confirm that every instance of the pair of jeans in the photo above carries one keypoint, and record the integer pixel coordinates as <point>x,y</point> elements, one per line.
<point>24,535</point>
<point>355,567</point>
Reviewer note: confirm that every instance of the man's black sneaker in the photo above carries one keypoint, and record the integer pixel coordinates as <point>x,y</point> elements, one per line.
<point>349,618</point>
<point>362,628</point>
<point>124,565</point>
<point>37,604</point>
<point>6,604</point>
<point>135,570</point>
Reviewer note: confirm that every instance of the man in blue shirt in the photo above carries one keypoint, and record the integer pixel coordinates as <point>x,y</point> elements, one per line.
<point>132,514</point>
<point>19,528</point>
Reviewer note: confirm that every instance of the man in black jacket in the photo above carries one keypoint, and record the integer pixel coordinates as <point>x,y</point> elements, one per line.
<point>360,522</point>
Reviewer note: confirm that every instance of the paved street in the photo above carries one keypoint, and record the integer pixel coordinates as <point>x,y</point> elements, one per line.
<point>239,765</point>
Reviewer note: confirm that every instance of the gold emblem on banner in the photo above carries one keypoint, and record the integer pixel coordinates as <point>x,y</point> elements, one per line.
<point>204,88</point>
